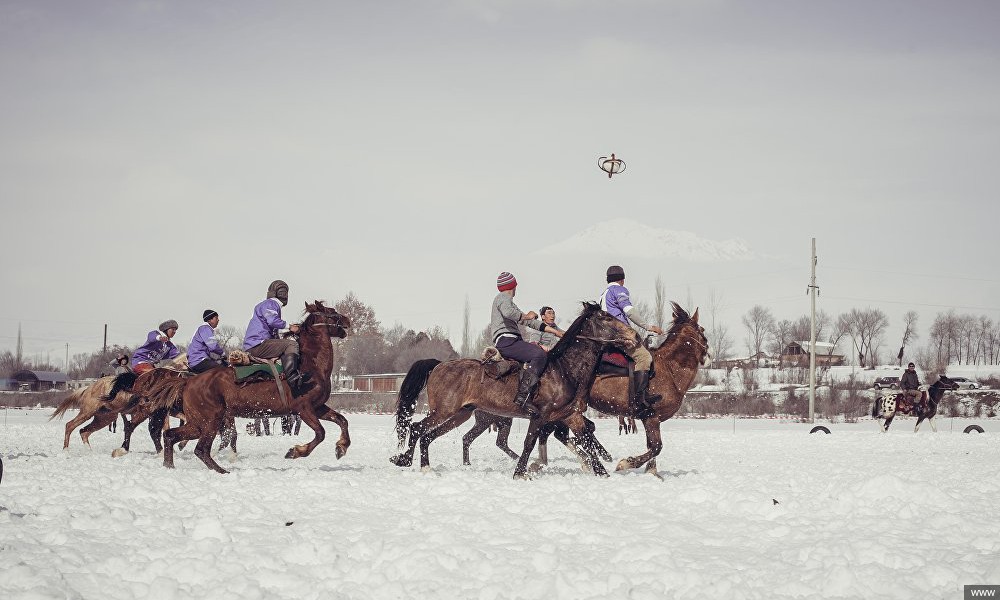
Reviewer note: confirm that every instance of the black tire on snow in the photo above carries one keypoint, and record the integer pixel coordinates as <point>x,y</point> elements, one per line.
<point>972,428</point>
<point>819,428</point>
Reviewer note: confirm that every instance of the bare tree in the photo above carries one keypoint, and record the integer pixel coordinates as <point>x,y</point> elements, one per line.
<point>718,334</point>
<point>781,336</point>
<point>229,336</point>
<point>758,322</point>
<point>467,329</point>
<point>661,301</point>
<point>866,327</point>
<point>909,332</point>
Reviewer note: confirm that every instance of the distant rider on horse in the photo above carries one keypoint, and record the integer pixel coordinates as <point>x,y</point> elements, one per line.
<point>505,317</point>
<point>204,351</point>
<point>910,386</point>
<point>262,339</point>
<point>616,301</point>
<point>157,347</point>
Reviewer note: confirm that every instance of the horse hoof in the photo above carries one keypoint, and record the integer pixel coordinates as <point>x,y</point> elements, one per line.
<point>291,453</point>
<point>232,456</point>
<point>606,456</point>
<point>119,452</point>
<point>522,477</point>
<point>401,461</point>
<point>341,451</point>
<point>535,467</point>
<point>426,469</point>
<point>623,465</point>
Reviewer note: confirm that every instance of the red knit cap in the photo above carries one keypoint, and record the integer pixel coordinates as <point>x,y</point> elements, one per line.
<point>506,281</point>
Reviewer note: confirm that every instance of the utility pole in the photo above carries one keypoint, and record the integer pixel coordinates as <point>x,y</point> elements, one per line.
<point>812,290</point>
<point>67,358</point>
<point>105,351</point>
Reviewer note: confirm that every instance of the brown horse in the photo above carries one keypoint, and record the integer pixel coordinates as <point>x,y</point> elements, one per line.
<point>455,389</point>
<point>212,397</point>
<point>676,361</point>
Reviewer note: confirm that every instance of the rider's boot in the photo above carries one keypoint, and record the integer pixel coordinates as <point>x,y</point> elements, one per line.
<point>642,400</point>
<point>296,379</point>
<point>918,409</point>
<point>526,386</point>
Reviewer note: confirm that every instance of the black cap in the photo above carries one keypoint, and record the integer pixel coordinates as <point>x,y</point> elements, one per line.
<point>208,315</point>
<point>615,273</point>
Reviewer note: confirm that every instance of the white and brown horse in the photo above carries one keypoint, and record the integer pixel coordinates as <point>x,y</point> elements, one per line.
<point>891,403</point>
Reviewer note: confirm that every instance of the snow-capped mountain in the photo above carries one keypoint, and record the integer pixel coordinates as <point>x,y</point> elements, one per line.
<point>636,239</point>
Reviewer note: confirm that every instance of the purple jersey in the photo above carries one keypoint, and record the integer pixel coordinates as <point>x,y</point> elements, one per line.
<point>264,324</point>
<point>153,351</point>
<point>615,301</point>
<point>203,345</point>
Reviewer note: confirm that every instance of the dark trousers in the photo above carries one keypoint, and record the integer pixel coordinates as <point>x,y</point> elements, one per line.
<point>520,350</point>
<point>208,363</point>
<point>275,348</point>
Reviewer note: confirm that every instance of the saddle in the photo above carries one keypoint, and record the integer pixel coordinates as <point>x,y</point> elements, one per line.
<point>258,372</point>
<point>497,366</point>
<point>904,403</point>
<point>614,364</point>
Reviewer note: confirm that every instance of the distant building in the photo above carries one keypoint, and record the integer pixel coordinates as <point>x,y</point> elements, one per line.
<point>378,383</point>
<point>796,354</point>
<point>41,381</point>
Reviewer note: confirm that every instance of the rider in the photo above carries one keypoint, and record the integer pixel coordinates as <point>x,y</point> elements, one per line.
<point>910,386</point>
<point>262,339</point>
<point>543,338</point>
<point>616,301</point>
<point>204,351</point>
<point>120,364</point>
<point>157,347</point>
<point>505,317</point>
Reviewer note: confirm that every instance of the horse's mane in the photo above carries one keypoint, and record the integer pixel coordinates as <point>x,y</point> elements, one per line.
<point>589,308</point>
<point>680,318</point>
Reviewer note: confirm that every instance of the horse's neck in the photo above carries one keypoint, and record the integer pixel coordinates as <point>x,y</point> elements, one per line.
<point>578,362</point>
<point>667,359</point>
<point>317,352</point>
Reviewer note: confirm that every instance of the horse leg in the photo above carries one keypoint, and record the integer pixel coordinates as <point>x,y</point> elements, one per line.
<point>916,427</point>
<point>436,431</point>
<point>128,427</point>
<point>931,420</point>
<point>312,421</point>
<point>598,446</point>
<point>534,429</point>
<point>405,459</point>
<point>561,431</point>
<point>101,420</point>
<point>478,429</point>
<point>503,434</point>
<point>653,446</point>
<point>328,414</point>
<point>203,449</point>
<point>543,452</point>
<point>187,431</point>
<point>78,420</point>
<point>157,422</point>
<point>586,442</point>
<point>888,421</point>
<point>228,434</point>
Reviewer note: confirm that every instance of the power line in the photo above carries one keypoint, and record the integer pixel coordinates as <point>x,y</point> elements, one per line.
<point>934,275</point>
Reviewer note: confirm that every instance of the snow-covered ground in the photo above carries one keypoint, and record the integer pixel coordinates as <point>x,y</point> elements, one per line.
<point>747,509</point>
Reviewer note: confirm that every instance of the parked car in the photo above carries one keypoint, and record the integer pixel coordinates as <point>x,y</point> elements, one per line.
<point>886,383</point>
<point>965,383</point>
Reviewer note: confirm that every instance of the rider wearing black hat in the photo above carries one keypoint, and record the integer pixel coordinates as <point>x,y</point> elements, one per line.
<point>204,351</point>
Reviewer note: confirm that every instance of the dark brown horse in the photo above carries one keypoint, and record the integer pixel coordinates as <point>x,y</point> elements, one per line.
<point>210,398</point>
<point>676,360</point>
<point>455,389</point>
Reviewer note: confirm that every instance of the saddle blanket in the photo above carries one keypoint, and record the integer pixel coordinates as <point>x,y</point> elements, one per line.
<point>243,373</point>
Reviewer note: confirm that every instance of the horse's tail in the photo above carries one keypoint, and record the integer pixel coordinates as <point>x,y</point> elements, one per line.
<point>122,383</point>
<point>166,393</point>
<point>71,401</point>
<point>406,401</point>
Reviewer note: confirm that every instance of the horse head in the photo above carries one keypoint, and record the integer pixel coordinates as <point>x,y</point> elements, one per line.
<point>687,333</point>
<point>943,383</point>
<point>596,325</point>
<point>319,315</point>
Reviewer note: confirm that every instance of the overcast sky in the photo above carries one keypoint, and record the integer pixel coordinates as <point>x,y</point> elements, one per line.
<point>160,158</point>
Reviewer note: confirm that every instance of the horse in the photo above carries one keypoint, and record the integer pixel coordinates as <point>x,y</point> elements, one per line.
<point>456,388</point>
<point>99,400</point>
<point>210,398</point>
<point>677,356</point>
<point>890,403</point>
<point>485,420</point>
